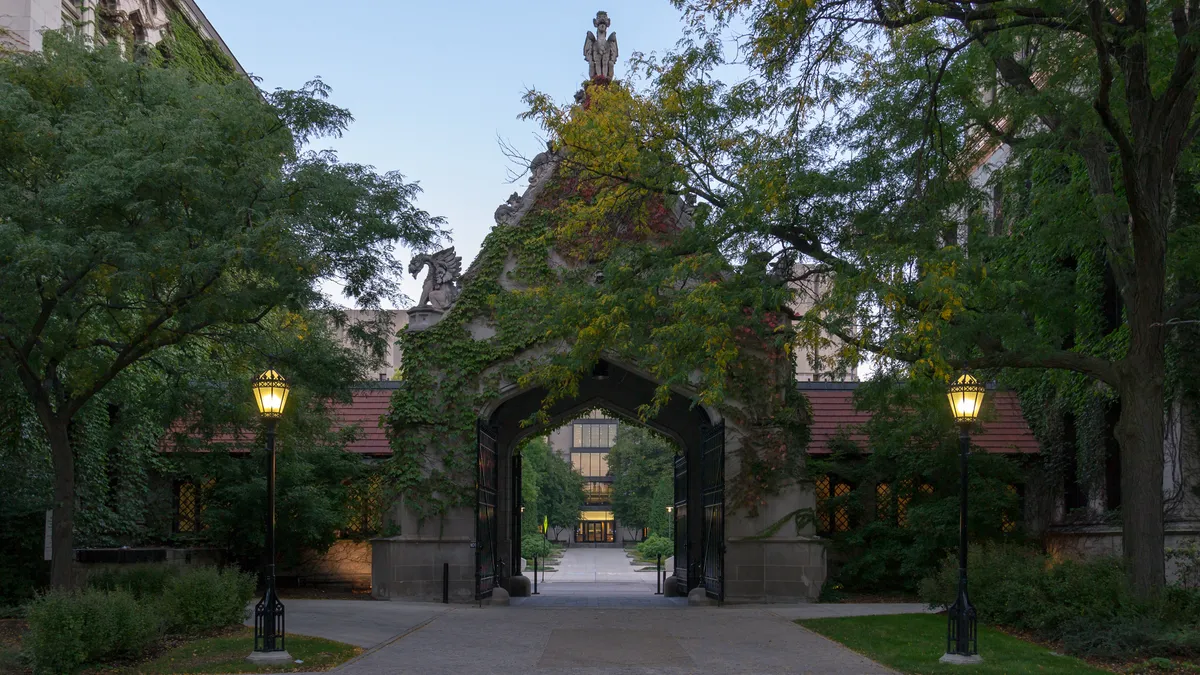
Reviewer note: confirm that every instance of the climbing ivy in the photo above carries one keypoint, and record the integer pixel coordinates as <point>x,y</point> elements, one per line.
<point>607,292</point>
<point>186,48</point>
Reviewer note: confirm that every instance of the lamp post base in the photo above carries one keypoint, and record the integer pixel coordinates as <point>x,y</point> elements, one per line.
<point>269,658</point>
<point>961,659</point>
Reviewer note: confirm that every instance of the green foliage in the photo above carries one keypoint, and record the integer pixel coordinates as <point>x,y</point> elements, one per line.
<point>204,598</point>
<point>67,630</point>
<point>639,460</point>
<point>156,224</point>
<point>662,521</point>
<point>560,494</point>
<point>142,581</point>
<point>655,546</point>
<point>312,493</point>
<point>449,376</point>
<point>203,58</point>
<point>1090,605</point>
<point>535,545</point>
<point>534,454</point>
<point>126,610</point>
<point>900,535</point>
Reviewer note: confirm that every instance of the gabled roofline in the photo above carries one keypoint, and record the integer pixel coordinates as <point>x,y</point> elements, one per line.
<point>206,26</point>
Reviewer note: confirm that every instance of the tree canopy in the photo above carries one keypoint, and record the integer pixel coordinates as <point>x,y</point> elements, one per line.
<point>150,222</point>
<point>638,460</point>
<point>997,187</point>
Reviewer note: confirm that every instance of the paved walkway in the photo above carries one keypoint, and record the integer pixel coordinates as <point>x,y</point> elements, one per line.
<point>431,639</point>
<point>589,565</point>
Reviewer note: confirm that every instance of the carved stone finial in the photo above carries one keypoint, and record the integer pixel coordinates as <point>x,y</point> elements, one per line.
<point>600,50</point>
<point>505,211</point>
<point>441,286</point>
<point>540,165</point>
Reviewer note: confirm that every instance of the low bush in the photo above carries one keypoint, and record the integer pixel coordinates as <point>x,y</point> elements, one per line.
<point>141,581</point>
<point>205,598</point>
<point>1086,605</point>
<point>655,546</point>
<point>535,545</point>
<point>69,629</point>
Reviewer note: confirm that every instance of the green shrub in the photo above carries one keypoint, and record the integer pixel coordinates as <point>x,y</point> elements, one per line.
<point>1087,605</point>
<point>142,581</point>
<point>204,598</point>
<point>69,629</point>
<point>654,546</point>
<point>535,545</point>
<point>1125,637</point>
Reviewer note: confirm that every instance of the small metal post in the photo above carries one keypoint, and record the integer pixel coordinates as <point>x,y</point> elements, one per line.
<point>658,590</point>
<point>535,559</point>
<point>445,583</point>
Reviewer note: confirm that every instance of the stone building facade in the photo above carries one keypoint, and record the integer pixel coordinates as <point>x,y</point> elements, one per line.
<point>22,22</point>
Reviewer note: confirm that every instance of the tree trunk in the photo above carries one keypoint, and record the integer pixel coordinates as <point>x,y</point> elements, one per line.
<point>62,536</point>
<point>1140,434</point>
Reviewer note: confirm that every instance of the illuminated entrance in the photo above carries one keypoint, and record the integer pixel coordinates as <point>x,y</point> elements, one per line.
<point>596,527</point>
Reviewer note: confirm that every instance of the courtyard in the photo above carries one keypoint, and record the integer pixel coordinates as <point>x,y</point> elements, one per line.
<point>835,336</point>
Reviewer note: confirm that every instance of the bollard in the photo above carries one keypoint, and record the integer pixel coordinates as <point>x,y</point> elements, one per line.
<point>658,589</point>
<point>535,591</point>
<point>445,583</point>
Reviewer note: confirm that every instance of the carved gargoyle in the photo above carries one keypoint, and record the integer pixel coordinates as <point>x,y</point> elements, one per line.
<point>441,286</point>
<point>505,211</point>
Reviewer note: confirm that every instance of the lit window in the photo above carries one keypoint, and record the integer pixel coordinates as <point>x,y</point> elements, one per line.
<point>1007,524</point>
<point>821,489</point>
<point>841,515</point>
<point>883,501</point>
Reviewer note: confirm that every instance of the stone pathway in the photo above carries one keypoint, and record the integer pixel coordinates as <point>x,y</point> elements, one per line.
<point>605,565</point>
<point>432,639</point>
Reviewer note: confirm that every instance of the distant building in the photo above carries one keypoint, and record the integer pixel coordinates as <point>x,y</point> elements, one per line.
<point>391,360</point>
<point>586,442</point>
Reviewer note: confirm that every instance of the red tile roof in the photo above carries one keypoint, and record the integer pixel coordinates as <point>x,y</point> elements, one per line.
<point>1005,430</point>
<point>366,408</point>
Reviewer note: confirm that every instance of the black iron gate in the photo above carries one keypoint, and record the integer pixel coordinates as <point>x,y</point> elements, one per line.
<point>712,478</point>
<point>485,512</point>
<point>516,515</point>
<point>679,524</point>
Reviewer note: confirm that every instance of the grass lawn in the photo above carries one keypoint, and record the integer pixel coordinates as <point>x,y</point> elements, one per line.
<point>227,654</point>
<point>913,643</point>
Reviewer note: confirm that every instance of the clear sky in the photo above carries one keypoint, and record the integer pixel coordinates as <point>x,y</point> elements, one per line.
<point>432,84</point>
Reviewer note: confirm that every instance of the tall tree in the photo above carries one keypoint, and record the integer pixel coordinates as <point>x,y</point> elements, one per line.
<point>638,460</point>
<point>853,147</point>
<point>560,493</point>
<point>143,212</point>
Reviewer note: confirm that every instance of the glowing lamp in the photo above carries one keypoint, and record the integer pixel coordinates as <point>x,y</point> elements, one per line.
<point>966,399</point>
<point>270,393</point>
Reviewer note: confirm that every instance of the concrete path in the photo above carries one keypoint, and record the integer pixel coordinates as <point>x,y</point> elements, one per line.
<point>363,623</point>
<point>587,565</point>
<point>431,639</point>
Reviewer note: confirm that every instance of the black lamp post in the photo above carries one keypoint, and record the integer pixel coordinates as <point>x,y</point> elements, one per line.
<point>966,398</point>
<point>270,393</point>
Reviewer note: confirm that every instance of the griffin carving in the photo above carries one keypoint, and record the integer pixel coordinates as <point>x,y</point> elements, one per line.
<point>441,286</point>
<point>599,52</point>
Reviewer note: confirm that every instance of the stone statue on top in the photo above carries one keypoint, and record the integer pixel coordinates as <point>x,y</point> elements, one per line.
<point>441,286</point>
<point>600,51</point>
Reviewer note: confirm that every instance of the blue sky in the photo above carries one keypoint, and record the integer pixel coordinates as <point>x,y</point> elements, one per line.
<point>433,84</point>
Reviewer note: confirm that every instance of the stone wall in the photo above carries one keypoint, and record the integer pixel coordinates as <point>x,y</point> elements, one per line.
<point>347,563</point>
<point>1094,541</point>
